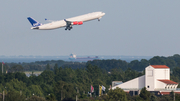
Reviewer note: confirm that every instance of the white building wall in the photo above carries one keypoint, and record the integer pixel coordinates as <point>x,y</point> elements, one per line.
<point>161,74</point>
<point>160,85</point>
<point>149,78</point>
<point>136,83</point>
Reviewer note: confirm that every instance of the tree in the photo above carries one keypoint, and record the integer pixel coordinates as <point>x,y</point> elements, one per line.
<point>36,98</point>
<point>144,94</point>
<point>48,67</point>
<point>153,97</point>
<point>14,96</point>
<point>135,65</point>
<point>58,90</point>
<point>135,98</point>
<point>47,89</point>
<point>165,98</point>
<point>50,97</point>
<point>21,77</point>
<point>64,90</point>
<point>157,61</point>
<point>130,74</point>
<point>15,85</point>
<point>176,72</point>
<point>56,69</point>
<point>116,74</point>
<point>35,90</point>
<point>16,68</point>
<point>116,95</point>
<point>47,77</point>
<point>177,97</point>
<point>2,79</point>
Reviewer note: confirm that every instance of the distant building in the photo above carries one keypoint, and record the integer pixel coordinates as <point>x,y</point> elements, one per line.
<point>114,83</point>
<point>156,79</point>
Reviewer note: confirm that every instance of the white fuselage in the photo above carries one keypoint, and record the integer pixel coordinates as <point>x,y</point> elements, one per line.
<point>62,23</point>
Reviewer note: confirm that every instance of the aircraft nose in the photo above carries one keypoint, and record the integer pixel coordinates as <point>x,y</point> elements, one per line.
<point>103,13</point>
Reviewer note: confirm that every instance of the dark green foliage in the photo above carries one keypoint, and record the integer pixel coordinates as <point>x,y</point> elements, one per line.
<point>47,77</point>
<point>135,98</point>
<point>16,68</point>
<point>56,71</point>
<point>177,97</point>
<point>144,94</point>
<point>131,74</point>
<point>46,89</point>
<point>36,98</point>
<point>75,65</point>
<point>157,61</point>
<point>48,67</point>
<point>153,97</point>
<point>109,64</point>
<point>14,96</point>
<point>63,80</point>
<point>8,77</point>
<point>64,90</point>
<point>116,95</point>
<point>83,96</point>
<point>165,98</point>
<point>35,90</point>
<point>176,72</point>
<point>103,98</point>
<point>22,77</point>
<point>58,89</point>
<point>50,97</point>
<point>171,61</point>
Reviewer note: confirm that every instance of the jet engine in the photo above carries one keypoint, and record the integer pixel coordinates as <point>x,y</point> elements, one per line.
<point>80,23</point>
<point>77,23</point>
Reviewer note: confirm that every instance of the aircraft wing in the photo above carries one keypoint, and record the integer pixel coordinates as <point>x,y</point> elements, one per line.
<point>69,24</point>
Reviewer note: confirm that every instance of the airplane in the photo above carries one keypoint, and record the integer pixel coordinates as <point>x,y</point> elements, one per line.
<point>68,23</point>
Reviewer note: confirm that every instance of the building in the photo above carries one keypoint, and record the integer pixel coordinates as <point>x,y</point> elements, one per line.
<point>114,83</point>
<point>156,79</point>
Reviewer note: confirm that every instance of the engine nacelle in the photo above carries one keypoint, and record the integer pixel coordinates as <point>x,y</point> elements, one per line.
<point>77,23</point>
<point>80,23</point>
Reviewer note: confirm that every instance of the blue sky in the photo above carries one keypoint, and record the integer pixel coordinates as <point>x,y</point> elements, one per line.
<point>139,28</point>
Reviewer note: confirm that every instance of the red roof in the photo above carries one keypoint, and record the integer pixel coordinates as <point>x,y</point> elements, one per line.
<point>159,66</point>
<point>168,81</point>
<point>167,93</point>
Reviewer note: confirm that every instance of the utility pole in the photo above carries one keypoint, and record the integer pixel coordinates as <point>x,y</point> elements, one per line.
<point>61,95</point>
<point>3,95</point>
<point>20,92</point>
<point>174,96</point>
<point>62,92</point>
<point>76,94</point>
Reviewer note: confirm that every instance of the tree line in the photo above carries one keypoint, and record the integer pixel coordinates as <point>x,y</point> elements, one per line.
<point>64,83</point>
<point>171,61</point>
<point>61,83</point>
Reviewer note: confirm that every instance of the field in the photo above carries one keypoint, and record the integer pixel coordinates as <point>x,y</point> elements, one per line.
<point>34,72</point>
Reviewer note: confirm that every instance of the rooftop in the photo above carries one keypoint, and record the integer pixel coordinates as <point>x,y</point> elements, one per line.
<point>159,66</point>
<point>168,81</point>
